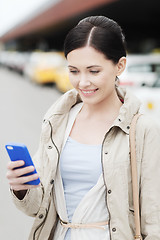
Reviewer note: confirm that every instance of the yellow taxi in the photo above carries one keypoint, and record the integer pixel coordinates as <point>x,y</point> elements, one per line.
<point>63,83</point>
<point>42,66</point>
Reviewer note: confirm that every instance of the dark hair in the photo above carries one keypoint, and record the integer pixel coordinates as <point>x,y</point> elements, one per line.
<point>99,32</point>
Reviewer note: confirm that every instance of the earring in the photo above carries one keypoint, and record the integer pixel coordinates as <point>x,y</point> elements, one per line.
<point>117,82</point>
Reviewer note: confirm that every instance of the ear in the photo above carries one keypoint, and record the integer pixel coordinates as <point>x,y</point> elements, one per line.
<point>121,65</point>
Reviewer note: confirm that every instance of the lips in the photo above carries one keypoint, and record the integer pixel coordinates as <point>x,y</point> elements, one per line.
<point>88,92</point>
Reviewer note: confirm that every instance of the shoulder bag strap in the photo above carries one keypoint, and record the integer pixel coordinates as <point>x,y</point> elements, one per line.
<point>135,189</point>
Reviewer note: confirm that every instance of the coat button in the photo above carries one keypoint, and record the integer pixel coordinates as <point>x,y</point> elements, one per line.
<point>40,216</point>
<point>49,147</point>
<point>128,127</point>
<point>45,121</point>
<point>109,191</point>
<point>52,181</point>
<point>113,229</point>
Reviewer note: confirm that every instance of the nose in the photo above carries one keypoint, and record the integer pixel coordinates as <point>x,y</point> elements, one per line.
<point>84,81</point>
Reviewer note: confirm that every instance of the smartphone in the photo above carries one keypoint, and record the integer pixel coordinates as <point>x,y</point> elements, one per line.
<point>18,151</point>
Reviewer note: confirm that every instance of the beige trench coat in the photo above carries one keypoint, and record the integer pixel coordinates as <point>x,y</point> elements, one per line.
<point>39,202</point>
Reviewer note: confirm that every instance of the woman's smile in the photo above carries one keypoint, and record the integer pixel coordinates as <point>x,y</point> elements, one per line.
<point>88,92</point>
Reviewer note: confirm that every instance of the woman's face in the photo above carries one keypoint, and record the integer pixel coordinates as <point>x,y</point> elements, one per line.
<point>92,75</point>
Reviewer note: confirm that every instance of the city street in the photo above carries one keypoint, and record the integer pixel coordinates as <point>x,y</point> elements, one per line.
<point>22,107</point>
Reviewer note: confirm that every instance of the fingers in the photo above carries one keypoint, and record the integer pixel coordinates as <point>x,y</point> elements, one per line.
<point>20,171</point>
<point>13,181</point>
<point>16,176</point>
<point>14,164</point>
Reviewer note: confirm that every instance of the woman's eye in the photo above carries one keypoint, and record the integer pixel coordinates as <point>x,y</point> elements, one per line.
<point>73,71</point>
<point>94,72</point>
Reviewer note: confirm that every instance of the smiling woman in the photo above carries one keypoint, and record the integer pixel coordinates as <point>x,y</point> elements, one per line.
<point>94,76</point>
<point>84,156</point>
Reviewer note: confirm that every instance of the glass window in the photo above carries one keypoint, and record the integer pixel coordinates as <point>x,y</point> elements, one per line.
<point>157,68</point>
<point>157,82</point>
<point>140,68</point>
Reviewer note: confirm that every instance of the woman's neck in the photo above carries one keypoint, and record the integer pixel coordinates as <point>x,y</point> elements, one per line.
<point>107,109</point>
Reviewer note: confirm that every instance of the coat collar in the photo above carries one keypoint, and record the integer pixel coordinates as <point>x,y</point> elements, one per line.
<point>130,107</point>
<point>63,105</point>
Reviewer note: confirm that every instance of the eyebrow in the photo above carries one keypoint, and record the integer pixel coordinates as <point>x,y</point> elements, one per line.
<point>93,66</point>
<point>71,66</point>
<point>87,67</point>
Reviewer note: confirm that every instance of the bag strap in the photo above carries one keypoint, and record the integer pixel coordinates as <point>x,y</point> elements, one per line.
<point>135,189</point>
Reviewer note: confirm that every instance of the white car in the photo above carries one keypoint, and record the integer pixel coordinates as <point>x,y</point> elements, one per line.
<point>140,70</point>
<point>150,98</point>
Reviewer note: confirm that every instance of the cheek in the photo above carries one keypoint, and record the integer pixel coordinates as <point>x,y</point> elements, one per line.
<point>107,83</point>
<point>73,80</point>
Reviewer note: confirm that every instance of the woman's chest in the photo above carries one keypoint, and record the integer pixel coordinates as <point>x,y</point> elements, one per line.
<point>89,131</point>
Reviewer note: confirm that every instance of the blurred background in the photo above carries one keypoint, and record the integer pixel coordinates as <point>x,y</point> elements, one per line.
<point>33,72</point>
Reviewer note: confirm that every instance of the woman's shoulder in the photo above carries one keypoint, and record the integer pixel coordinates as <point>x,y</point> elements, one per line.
<point>62,104</point>
<point>148,124</point>
<point>147,134</point>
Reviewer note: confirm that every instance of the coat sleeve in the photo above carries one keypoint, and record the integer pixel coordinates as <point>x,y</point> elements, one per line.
<point>31,203</point>
<point>150,182</point>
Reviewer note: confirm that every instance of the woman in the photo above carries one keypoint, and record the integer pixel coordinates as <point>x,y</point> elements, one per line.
<point>83,159</point>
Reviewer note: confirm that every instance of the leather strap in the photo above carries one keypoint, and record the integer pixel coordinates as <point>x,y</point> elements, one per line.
<point>135,189</point>
<point>99,225</point>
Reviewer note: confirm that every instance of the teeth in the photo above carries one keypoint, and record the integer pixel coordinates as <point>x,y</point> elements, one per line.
<point>88,91</point>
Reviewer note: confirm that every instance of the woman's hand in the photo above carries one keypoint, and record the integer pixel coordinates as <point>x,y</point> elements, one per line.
<point>17,180</point>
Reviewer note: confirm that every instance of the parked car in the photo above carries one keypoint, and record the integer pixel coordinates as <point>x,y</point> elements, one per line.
<point>7,59</point>
<point>42,67</point>
<point>63,83</point>
<point>150,98</point>
<point>141,69</point>
<point>20,61</point>
<point>14,60</point>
